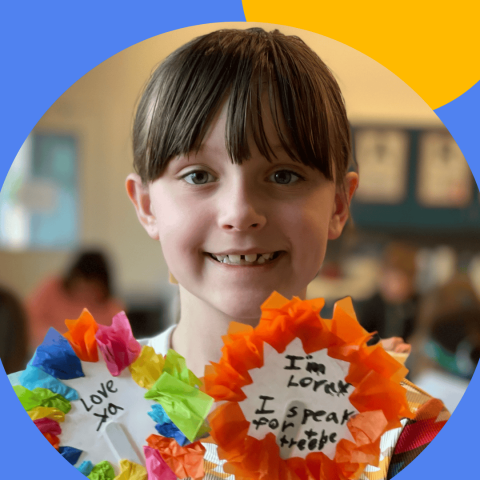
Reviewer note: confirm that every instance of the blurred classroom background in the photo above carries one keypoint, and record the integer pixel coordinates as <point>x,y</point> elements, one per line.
<point>415,226</point>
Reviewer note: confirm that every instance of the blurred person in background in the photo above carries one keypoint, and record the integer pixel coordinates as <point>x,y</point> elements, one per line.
<point>86,284</point>
<point>446,347</point>
<point>13,332</point>
<point>392,310</point>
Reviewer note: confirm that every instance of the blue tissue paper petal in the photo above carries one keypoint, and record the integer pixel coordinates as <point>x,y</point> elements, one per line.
<point>86,468</point>
<point>14,378</point>
<point>33,377</point>
<point>158,414</point>
<point>70,454</point>
<point>171,431</point>
<point>56,357</point>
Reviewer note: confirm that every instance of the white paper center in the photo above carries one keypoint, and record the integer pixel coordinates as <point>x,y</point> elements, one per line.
<point>302,399</point>
<point>105,399</point>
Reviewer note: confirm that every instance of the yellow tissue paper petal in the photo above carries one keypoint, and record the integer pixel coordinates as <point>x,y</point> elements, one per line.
<point>147,368</point>
<point>46,412</point>
<point>131,471</point>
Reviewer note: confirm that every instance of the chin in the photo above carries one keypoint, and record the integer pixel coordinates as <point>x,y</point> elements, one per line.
<point>245,308</point>
<point>245,312</point>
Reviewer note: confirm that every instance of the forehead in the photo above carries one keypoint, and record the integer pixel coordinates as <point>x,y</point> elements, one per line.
<point>273,132</point>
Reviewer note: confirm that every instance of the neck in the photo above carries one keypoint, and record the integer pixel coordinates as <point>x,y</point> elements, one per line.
<point>198,335</point>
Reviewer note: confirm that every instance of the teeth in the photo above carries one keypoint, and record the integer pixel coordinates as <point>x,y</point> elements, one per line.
<point>251,258</point>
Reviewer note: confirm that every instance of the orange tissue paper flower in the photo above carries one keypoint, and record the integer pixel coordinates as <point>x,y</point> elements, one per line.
<point>81,336</point>
<point>365,378</point>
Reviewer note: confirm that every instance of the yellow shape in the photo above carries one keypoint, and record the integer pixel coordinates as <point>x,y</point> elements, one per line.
<point>46,412</point>
<point>147,368</point>
<point>131,471</point>
<point>431,47</point>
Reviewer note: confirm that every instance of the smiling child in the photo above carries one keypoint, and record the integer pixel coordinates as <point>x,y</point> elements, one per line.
<point>241,150</point>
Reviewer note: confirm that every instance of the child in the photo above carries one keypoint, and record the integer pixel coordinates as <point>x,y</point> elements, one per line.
<point>241,147</point>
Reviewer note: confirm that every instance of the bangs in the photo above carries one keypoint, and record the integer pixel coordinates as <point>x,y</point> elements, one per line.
<point>244,68</point>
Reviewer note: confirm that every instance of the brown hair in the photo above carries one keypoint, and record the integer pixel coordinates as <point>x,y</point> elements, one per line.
<point>187,89</point>
<point>91,265</point>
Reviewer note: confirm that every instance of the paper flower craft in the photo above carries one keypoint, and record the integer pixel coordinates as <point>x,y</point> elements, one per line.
<point>303,397</point>
<point>101,411</point>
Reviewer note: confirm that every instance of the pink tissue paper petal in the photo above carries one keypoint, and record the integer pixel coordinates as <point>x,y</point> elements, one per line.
<point>117,345</point>
<point>48,425</point>
<point>157,468</point>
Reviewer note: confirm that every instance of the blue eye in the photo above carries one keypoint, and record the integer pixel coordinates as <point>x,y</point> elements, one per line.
<point>199,177</point>
<point>285,177</point>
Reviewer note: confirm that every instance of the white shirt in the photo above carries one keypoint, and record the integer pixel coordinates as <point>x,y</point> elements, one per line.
<point>160,343</point>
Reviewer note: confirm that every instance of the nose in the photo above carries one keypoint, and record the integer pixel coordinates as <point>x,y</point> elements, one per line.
<point>241,209</point>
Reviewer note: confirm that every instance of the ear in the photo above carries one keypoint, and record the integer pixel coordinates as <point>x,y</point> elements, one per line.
<point>140,196</point>
<point>341,208</point>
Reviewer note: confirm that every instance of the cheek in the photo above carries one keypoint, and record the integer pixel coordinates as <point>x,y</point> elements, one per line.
<point>308,233</point>
<point>182,230</point>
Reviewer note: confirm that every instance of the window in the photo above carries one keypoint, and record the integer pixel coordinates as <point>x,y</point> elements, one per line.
<point>39,202</point>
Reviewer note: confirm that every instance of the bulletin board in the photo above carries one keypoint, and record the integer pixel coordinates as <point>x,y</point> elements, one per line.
<point>413,180</point>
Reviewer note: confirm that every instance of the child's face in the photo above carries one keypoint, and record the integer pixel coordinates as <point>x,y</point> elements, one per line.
<point>203,206</point>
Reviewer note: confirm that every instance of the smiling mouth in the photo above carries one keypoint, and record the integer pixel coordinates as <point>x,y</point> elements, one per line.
<point>247,260</point>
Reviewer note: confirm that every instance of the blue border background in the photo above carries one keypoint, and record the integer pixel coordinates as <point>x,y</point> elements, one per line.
<point>46,47</point>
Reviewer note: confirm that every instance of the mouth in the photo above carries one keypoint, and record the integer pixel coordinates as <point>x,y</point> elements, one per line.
<point>250,259</point>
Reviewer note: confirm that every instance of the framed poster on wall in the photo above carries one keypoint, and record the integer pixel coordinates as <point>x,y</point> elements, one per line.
<point>382,156</point>
<point>444,177</point>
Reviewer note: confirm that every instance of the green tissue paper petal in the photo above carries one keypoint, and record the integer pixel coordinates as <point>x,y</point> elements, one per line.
<point>27,398</point>
<point>52,399</point>
<point>176,366</point>
<point>102,471</point>
<point>185,405</point>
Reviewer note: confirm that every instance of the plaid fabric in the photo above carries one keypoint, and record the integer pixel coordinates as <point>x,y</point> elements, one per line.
<point>401,446</point>
<point>398,447</point>
<point>430,416</point>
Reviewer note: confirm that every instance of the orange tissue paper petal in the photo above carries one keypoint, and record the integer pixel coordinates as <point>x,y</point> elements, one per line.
<point>184,461</point>
<point>81,336</point>
<point>53,440</point>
